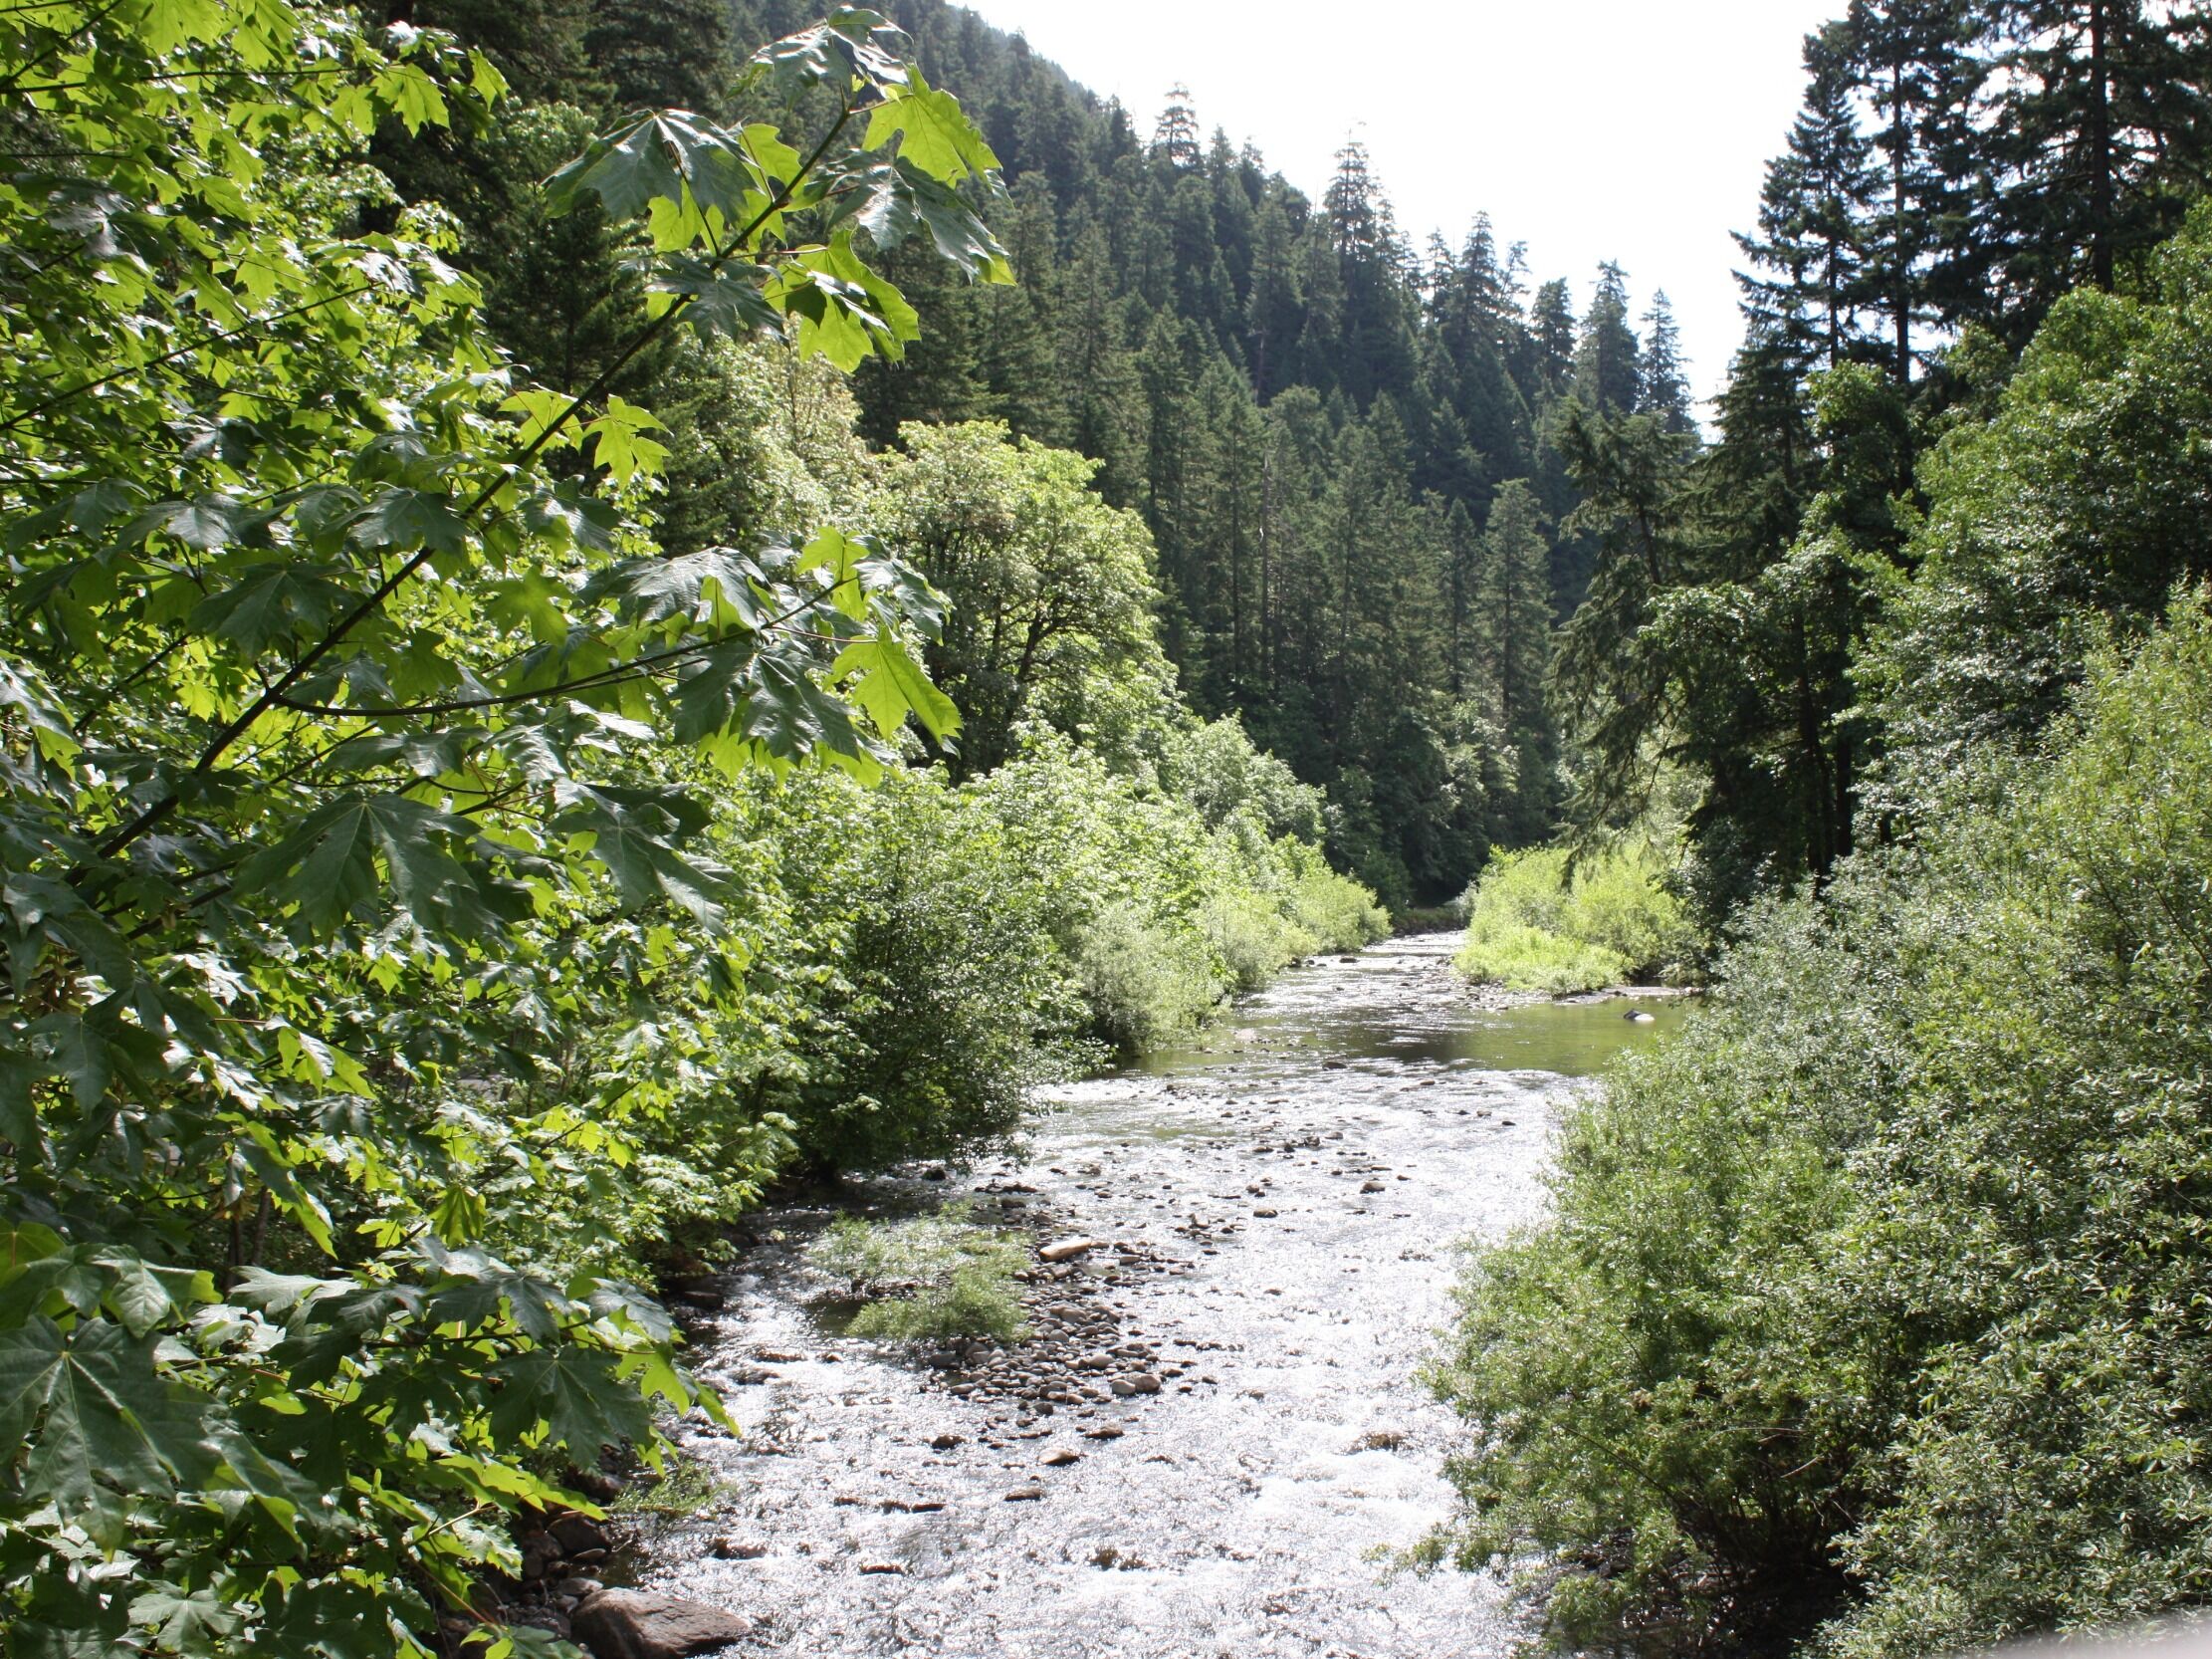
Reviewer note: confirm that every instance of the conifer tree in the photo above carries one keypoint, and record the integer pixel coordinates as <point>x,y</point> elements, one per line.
<point>1814,209</point>
<point>1175,139</point>
<point>1232,527</point>
<point>1552,321</point>
<point>1105,410</point>
<point>2100,124</point>
<point>663,54</point>
<point>1912,61</point>
<point>1274,305</point>
<point>1514,605</point>
<point>1662,388</point>
<point>1605,377</point>
<point>1465,557</point>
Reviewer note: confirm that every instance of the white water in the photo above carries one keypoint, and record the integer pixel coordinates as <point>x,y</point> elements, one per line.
<point>1238,1512</point>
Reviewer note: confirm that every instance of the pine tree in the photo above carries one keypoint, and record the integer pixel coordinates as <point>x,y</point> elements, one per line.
<point>1105,409</point>
<point>1605,377</point>
<point>1238,450</point>
<point>1274,306</point>
<point>2100,117</point>
<point>1662,388</point>
<point>1019,326</point>
<point>1464,568</point>
<point>1552,322</point>
<point>663,54</point>
<point>1910,58</point>
<point>1175,137</point>
<point>1812,211</point>
<point>1514,608</point>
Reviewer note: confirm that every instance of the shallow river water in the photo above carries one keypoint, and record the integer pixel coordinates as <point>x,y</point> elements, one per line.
<point>1277,1219</point>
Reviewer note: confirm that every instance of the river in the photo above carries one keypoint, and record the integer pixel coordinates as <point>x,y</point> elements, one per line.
<point>1277,1216</point>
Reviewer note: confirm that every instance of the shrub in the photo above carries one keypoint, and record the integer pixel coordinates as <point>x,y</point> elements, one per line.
<point>1253,937</point>
<point>1339,912</point>
<point>1148,988</point>
<point>1876,1296</point>
<point>1546,920</point>
<point>1524,958</point>
<point>937,1274</point>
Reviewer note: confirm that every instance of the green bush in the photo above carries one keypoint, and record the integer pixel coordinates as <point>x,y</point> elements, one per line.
<point>1339,912</point>
<point>937,1274</point>
<point>1873,1302</point>
<point>1253,937</point>
<point>1149,987</point>
<point>1547,920</point>
<point>1524,958</point>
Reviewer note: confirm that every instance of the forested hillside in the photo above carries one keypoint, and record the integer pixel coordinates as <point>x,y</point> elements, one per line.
<point>1314,418</point>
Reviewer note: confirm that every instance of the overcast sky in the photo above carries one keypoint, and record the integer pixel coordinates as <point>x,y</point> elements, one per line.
<point>1591,129</point>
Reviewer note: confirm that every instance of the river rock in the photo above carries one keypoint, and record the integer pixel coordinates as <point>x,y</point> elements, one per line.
<point>576,1533</point>
<point>1062,1458</point>
<point>1104,1431</point>
<point>1136,1382</point>
<point>1026,1494</point>
<point>539,1551</point>
<point>645,1624</point>
<point>1067,1250</point>
<point>738,1549</point>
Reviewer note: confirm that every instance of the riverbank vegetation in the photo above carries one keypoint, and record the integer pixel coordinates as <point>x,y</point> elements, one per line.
<point>1551,920</point>
<point>935,1275</point>
<point>1861,1322</point>
<point>480,793</point>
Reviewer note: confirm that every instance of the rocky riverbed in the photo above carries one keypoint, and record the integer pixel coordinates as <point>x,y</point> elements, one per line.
<point>1214,1432</point>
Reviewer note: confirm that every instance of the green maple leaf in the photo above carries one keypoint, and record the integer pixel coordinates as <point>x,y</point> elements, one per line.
<point>100,1419</point>
<point>404,518</point>
<point>273,602</point>
<point>185,1621</point>
<point>885,680</point>
<point>330,867</point>
<point>481,1288</point>
<point>934,133</point>
<point>575,1395</point>
<point>719,580</point>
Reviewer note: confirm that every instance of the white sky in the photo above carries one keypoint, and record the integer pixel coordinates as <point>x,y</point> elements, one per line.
<point>1591,129</point>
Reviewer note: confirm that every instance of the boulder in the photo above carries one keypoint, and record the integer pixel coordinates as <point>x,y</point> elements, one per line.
<point>1066,1250</point>
<point>645,1624</point>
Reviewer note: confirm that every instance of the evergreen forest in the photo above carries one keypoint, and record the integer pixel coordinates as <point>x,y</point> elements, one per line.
<point>622,615</point>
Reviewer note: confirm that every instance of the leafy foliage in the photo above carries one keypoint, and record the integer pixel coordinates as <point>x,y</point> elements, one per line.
<point>936,1275</point>
<point>1871,1291</point>
<point>1548,921</point>
<point>344,830</point>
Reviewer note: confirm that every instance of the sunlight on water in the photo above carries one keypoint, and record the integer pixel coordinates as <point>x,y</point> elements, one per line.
<point>1277,1214</point>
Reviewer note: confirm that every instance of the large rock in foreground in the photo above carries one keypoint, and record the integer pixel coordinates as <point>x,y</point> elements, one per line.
<point>644,1624</point>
